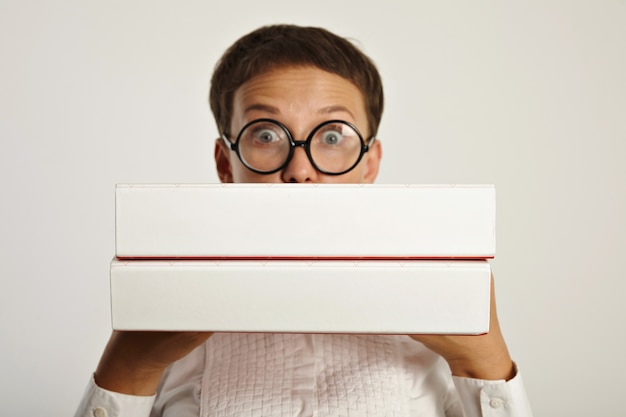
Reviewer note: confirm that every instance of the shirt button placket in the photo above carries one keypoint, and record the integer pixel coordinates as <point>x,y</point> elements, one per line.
<point>99,412</point>
<point>496,403</point>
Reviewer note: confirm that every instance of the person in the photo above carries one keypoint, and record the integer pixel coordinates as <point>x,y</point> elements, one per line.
<point>280,95</point>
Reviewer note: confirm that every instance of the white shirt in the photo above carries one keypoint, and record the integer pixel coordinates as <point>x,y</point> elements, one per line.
<point>279,375</point>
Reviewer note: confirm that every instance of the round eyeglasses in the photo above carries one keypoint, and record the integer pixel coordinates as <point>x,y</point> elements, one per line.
<point>266,146</point>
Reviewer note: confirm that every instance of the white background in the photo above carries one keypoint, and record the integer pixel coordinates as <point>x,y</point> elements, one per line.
<point>529,96</point>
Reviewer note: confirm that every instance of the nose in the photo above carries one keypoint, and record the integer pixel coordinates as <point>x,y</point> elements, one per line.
<point>299,168</point>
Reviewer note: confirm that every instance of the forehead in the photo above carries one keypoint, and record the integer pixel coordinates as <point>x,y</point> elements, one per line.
<point>298,92</point>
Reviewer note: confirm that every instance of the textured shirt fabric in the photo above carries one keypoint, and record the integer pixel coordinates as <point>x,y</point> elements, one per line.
<point>280,375</point>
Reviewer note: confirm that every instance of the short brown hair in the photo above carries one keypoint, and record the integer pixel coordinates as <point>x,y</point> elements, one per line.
<point>275,46</point>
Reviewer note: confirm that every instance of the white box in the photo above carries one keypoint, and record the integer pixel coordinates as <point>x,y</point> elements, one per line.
<point>349,221</point>
<point>380,297</point>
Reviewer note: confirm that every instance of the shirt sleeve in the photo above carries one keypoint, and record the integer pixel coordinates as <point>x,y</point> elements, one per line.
<point>98,402</point>
<point>482,398</point>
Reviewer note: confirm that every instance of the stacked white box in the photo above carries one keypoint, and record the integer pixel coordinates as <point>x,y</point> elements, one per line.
<point>302,220</point>
<point>229,258</point>
<point>380,297</point>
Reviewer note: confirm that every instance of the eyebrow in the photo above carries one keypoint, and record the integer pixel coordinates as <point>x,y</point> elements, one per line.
<point>262,107</point>
<point>335,109</point>
<point>274,110</point>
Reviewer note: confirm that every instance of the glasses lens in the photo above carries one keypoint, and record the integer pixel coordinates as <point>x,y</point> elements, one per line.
<point>264,146</point>
<point>335,147</point>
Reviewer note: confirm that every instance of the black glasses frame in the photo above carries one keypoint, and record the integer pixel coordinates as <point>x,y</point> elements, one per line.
<point>306,144</point>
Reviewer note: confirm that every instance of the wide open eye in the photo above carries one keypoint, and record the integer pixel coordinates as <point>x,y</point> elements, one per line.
<point>331,137</point>
<point>265,135</point>
<point>335,136</point>
<point>264,146</point>
<point>335,147</point>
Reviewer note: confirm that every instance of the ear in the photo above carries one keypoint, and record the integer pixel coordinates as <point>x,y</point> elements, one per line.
<point>374,155</point>
<point>221,154</point>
